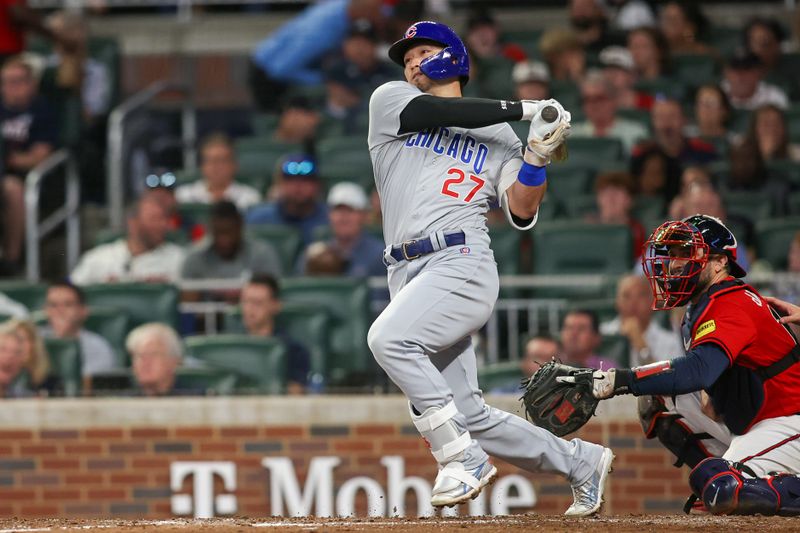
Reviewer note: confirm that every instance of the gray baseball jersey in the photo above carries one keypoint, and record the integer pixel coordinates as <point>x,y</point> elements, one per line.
<point>436,179</point>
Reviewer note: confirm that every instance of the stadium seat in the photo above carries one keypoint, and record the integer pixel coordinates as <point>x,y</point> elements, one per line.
<point>107,235</point>
<point>566,182</point>
<point>773,238</point>
<point>752,205</point>
<point>144,302</point>
<point>725,40</point>
<point>506,375</point>
<point>307,324</point>
<point>206,381</point>
<point>785,171</point>
<point>640,116</point>
<point>347,301</point>
<point>528,39</point>
<point>198,213</point>
<point>264,124</point>
<point>259,155</point>
<point>569,247</point>
<point>259,363</point>
<point>285,239</point>
<point>111,323</point>
<point>506,243</point>
<point>345,159</point>
<point>648,207</point>
<point>671,87</point>
<point>695,69</point>
<point>594,153</point>
<point>578,206</point>
<point>31,295</point>
<point>615,347</point>
<point>65,361</point>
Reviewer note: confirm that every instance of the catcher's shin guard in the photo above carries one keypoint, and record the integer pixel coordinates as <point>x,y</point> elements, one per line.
<point>723,488</point>
<point>440,432</point>
<point>672,432</point>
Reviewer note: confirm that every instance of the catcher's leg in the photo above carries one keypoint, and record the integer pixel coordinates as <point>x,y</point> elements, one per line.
<point>519,442</point>
<point>772,445</point>
<point>726,488</point>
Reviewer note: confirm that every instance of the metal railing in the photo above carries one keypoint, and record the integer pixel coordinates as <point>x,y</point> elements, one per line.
<point>35,230</point>
<point>117,149</point>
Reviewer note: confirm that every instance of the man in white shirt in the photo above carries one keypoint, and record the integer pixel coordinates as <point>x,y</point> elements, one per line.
<point>142,255</point>
<point>649,342</point>
<point>600,107</point>
<point>218,169</point>
<point>745,86</point>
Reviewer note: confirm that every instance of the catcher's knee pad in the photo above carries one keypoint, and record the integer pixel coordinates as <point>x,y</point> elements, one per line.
<point>437,427</point>
<point>671,432</point>
<point>725,489</point>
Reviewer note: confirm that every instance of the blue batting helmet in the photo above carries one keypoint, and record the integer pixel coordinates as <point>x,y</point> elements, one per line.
<point>451,62</point>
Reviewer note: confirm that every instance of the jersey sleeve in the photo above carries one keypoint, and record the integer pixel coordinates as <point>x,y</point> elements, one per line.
<point>385,106</point>
<point>727,324</point>
<point>508,175</point>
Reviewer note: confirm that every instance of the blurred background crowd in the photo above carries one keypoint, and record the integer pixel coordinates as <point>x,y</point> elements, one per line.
<point>237,248</point>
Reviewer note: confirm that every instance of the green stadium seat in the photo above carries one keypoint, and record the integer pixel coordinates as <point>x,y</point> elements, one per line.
<point>564,182</point>
<point>259,362</point>
<point>793,203</point>
<point>672,87</point>
<point>527,39</point>
<point>571,247</point>
<point>144,302</point>
<point>207,381</point>
<point>347,301</point>
<point>107,235</point>
<point>285,239</point>
<point>578,206</point>
<point>264,124</point>
<point>494,79</point>
<point>569,95</point>
<point>639,116</point>
<point>111,323</point>
<point>648,207</point>
<point>725,40</point>
<point>521,128</point>
<point>773,238</point>
<point>506,245</point>
<point>345,159</point>
<point>196,212</point>
<point>31,295</point>
<point>695,69</point>
<point>595,153</point>
<point>65,361</point>
<point>260,155</point>
<point>793,122</point>
<point>751,205</point>
<point>615,347</point>
<point>503,376</point>
<point>786,171</point>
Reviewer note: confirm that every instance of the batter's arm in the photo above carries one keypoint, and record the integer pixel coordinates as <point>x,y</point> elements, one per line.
<point>519,202</point>
<point>429,111</point>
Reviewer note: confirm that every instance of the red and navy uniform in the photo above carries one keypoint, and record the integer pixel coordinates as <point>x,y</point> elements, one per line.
<point>729,334</point>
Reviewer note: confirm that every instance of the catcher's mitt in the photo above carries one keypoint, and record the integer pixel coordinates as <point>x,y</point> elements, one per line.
<point>561,408</point>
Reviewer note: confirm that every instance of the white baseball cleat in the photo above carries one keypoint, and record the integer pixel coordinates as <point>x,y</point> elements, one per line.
<point>589,495</point>
<point>454,484</point>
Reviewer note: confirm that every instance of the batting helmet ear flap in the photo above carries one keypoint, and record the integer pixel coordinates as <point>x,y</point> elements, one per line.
<point>451,62</point>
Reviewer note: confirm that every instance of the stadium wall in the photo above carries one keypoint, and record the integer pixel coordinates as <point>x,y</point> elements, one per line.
<point>277,455</point>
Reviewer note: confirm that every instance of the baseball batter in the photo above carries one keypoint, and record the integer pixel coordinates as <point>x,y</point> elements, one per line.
<point>439,160</point>
<point>746,362</point>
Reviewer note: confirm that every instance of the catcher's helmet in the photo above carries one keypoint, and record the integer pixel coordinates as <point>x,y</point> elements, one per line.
<point>676,253</point>
<point>451,62</point>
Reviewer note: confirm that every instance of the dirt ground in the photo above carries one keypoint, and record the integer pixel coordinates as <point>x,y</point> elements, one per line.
<point>617,524</point>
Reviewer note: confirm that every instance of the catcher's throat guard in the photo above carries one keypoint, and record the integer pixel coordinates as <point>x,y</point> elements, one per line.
<point>561,408</point>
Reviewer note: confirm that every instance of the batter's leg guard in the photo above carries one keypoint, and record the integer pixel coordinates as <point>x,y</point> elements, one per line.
<point>676,436</point>
<point>725,489</point>
<point>454,483</point>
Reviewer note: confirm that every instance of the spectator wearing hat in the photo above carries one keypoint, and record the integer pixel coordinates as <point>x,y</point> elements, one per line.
<point>361,252</point>
<point>745,86</point>
<point>632,14</point>
<point>297,123</point>
<point>218,177</point>
<point>617,66</point>
<point>564,54</point>
<point>228,253</point>
<point>531,80</point>
<point>297,198</point>
<point>291,54</point>
<point>359,51</point>
<point>344,100</point>
<point>600,107</point>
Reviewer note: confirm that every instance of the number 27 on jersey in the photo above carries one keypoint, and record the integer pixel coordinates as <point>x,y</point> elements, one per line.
<point>459,176</point>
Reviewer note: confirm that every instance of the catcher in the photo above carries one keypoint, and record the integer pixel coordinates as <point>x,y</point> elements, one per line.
<point>739,354</point>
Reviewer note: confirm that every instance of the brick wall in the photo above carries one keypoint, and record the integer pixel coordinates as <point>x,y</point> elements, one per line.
<point>99,469</point>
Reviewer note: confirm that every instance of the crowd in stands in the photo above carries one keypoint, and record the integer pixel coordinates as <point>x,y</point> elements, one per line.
<point>672,115</point>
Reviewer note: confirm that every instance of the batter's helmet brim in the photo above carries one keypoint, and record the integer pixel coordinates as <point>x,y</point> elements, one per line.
<point>397,51</point>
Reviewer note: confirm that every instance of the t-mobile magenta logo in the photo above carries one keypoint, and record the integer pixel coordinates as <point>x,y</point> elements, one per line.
<point>202,502</point>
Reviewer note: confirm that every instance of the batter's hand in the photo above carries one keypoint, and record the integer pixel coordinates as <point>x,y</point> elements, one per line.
<point>549,128</point>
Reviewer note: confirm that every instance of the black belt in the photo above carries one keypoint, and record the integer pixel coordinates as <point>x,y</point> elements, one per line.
<point>410,250</point>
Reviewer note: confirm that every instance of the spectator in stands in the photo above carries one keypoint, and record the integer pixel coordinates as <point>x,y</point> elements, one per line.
<point>161,188</point>
<point>764,37</point>
<point>298,205</point>
<point>649,169</point>
<point>538,350</point>
<point>793,259</point>
<point>650,53</point>
<point>36,364</point>
<point>483,40</point>
<point>589,20</point>
<point>564,54</point>
<point>712,112</point>
<point>360,57</point>
<point>156,353</point>
<point>218,177</point>
<point>692,176</point>
<point>344,101</point>
<point>614,194</point>
<point>580,339</point>
<point>649,342</point>
<point>618,68</point>
<point>260,306</point>
<point>29,134</point>
<point>15,19</point>
<point>292,53</point>
<point>683,24</point>
<point>632,14</point>
<point>531,80</point>
<point>66,311</point>
<point>768,134</point>
<point>600,108</point>
<point>298,122</point>
<point>668,124</point>
<point>12,359</point>
<point>228,253</point>
<point>745,86</point>
<point>361,253</point>
<point>11,308</point>
<point>142,255</point>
